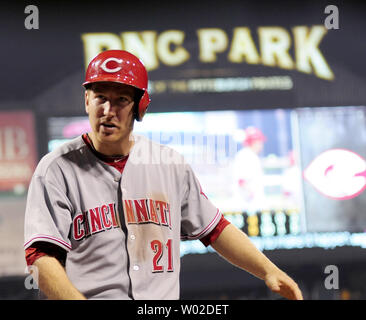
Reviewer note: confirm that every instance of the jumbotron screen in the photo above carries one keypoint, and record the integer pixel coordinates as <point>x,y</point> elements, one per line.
<point>289,178</point>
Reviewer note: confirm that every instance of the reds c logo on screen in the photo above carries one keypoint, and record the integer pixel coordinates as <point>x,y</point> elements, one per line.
<point>338,174</point>
<point>110,67</point>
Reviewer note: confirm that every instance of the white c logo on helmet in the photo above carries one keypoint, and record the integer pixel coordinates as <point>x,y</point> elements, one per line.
<point>106,69</point>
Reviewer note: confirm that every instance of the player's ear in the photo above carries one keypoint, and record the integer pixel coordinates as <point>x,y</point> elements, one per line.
<point>142,114</point>
<point>86,101</point>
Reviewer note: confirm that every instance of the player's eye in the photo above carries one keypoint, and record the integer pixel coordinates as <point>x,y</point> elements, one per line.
<point>101,98</point>
<point>124,100</point>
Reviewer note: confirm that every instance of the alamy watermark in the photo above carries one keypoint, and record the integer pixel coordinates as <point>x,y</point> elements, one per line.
<point>331,282</point>
<point>332,20</point>
<point>32,20</point>
<point>31,280</point>
<point>198,149</point>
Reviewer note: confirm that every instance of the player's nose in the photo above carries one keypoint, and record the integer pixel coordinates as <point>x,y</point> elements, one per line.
<point>108,108</point>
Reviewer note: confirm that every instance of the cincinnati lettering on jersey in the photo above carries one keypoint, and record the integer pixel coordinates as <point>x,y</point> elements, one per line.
<point>94,220</point>
<point>147,211</point>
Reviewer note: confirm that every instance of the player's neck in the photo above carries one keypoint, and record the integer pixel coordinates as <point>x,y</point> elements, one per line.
<point>113,149</point>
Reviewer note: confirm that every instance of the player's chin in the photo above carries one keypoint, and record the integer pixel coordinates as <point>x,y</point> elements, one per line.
<point>109,137</point>
<point>113,134</point>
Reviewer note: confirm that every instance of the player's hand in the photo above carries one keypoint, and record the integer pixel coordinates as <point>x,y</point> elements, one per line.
<point>279,282</point>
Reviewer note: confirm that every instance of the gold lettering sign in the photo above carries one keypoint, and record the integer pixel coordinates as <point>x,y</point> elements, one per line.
<point>273,49</point>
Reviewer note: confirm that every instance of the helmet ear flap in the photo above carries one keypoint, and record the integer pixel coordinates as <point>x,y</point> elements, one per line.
<point>142,106</point>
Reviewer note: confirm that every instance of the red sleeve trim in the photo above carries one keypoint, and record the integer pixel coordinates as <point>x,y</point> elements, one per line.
<point>194,237</point>
<point>40,249</point>
<point>214,234</point>
<point>50,238</point>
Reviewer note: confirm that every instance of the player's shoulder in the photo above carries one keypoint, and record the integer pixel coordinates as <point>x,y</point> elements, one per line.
<point>59,154</point>
<point>153,149</point>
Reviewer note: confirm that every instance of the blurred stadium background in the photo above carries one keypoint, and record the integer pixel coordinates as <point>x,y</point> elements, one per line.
<point>222,66</point>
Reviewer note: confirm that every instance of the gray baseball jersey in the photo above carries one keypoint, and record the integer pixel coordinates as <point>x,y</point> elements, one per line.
<point>121,232</point>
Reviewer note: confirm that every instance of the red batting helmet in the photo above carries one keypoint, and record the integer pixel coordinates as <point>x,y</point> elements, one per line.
<point>123,67</point>
<point>253,134</point>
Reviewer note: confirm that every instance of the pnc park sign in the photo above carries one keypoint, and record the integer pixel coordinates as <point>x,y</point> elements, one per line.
<point>296,48</point>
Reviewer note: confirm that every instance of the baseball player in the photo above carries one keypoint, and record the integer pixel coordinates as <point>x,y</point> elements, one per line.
<point>106,211</point>
<point>248,172</point>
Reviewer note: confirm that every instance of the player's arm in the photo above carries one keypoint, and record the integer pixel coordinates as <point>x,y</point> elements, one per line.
<point>49,261</point>
<point>48,216</point>
<point>53,280</point>
<point>235,246</point>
